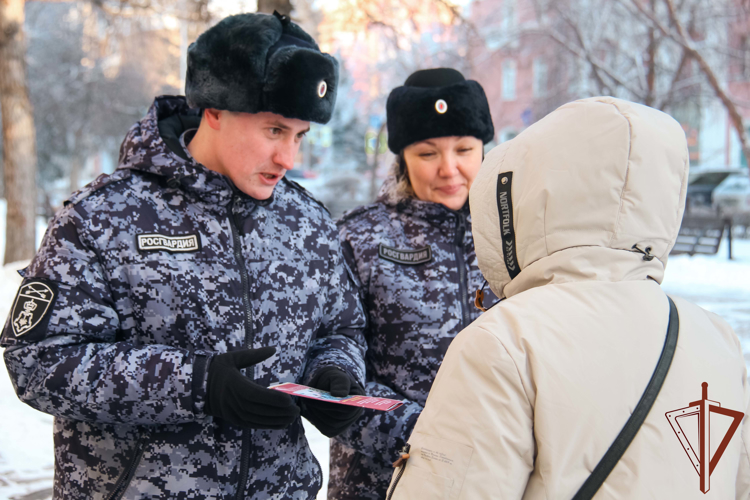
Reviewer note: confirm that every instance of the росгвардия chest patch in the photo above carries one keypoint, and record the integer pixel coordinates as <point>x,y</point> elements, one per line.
<point>182,243</point>
<point>408,257</point>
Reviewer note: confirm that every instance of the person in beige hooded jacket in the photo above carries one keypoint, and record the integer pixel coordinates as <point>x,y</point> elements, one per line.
<point>532,394</point>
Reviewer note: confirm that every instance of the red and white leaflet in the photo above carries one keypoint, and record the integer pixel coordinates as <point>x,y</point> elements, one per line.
<point>370,402</point>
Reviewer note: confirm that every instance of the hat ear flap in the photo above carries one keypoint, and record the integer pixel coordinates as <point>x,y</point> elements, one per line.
<point>301,83</point>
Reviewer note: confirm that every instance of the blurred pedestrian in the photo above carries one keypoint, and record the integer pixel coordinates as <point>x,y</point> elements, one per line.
<point>574,220</point>
<point>413,254</point>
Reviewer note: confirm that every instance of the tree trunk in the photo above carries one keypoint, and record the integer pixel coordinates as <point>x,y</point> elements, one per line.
<point>374,184</point>
<point>651,74</point>
<point>75,172</point>
<point>281,6</point>
<point>19,137</point>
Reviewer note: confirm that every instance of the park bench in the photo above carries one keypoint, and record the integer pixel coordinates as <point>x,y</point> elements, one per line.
<point>701,234</point>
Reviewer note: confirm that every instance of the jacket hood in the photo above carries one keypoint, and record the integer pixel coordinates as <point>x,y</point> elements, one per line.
<point>569,198</point>
<point>144,149</point>
<point>390,192</point>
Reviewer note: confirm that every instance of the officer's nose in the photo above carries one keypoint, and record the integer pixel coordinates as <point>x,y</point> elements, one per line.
<point>448,165</point>
<point>284,155</point>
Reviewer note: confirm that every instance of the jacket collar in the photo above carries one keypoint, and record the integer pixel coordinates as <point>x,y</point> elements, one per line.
<point>413,207</point>
<point>144,150</point>
<point>581,264</point>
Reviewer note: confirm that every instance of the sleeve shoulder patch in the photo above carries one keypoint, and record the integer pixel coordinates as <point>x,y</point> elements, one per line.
<point>32,308</point>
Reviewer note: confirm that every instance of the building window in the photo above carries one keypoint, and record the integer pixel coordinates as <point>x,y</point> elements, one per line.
<point>539,85</point>
<point>509,80</point>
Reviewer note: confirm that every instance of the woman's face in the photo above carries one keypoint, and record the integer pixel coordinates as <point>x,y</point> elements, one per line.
<point>442,169</point>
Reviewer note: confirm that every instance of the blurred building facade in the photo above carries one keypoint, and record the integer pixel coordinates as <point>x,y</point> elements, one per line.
<point>527,72</point>
<point>93,74</point>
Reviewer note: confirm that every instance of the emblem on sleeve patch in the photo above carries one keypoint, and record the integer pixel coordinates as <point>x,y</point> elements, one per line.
<point>33,302</point>
<point>407,257</point>
<point>185,243</point>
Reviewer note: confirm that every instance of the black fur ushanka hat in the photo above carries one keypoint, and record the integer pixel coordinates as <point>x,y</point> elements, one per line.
<point>437,102</point>
<point>258,62</point>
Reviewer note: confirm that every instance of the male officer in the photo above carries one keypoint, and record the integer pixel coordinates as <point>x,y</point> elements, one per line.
<point>156,285</point>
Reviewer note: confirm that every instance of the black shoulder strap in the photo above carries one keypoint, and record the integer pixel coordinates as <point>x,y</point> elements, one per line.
<point>616,451</point>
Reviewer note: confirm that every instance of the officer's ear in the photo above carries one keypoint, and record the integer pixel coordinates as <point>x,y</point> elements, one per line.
<point>213,117</point>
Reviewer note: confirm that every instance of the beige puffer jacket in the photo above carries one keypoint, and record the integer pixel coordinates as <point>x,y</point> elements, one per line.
<point>532,394</point>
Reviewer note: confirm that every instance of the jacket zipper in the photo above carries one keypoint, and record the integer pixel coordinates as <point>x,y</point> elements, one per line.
<point>124,481</point>
<point>461,262</point>
<point>246,433</point>
<point>353,465</point>
<point>404,451</point>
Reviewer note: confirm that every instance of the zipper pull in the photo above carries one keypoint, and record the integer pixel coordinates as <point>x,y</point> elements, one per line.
<point>401,462</point>
<point>404,456</point>
<point>479,299</point>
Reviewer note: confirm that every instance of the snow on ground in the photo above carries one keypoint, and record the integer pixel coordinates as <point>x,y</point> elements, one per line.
<point>716,284</point>
<point>26,458</point>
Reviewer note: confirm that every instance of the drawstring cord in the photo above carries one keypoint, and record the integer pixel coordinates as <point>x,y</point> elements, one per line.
<point>646,254</point>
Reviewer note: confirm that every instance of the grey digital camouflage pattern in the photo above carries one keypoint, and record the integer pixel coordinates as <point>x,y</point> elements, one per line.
<point>122,362</point>
<point>414,312</point>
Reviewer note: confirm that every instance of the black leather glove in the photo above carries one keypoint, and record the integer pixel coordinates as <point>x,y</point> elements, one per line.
<point>330,418</point>
<point>235,398</point>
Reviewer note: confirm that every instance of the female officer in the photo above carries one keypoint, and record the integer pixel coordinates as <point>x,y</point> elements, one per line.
<point>413,255</point>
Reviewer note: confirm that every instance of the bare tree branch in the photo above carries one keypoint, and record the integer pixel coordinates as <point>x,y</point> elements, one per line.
<point>729,104</point>
<point>685,41</point>
<point>583,54</point>
<point>674,84</point>
<point>603,87</point>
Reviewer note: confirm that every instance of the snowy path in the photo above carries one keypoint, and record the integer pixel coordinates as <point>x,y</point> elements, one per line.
<point>26,459</point>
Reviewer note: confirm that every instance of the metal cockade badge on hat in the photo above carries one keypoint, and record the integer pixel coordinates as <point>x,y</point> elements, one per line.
<point>322,88</point>
<point>441,106</point>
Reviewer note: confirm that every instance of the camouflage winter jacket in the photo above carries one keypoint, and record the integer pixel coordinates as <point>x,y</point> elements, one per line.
<point>141,278</point>
<point>417,274</point>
